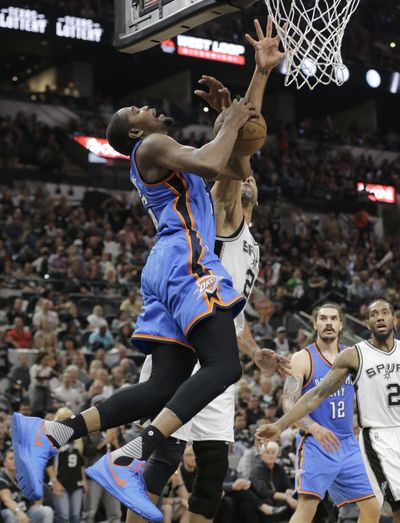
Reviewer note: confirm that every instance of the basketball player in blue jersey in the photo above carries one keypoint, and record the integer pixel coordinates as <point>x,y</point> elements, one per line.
<point>188,313</point>
<point>328,455</point>
<point>212,428</point>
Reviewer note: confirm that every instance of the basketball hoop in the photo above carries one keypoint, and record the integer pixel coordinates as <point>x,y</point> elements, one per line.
<point>312,39</point>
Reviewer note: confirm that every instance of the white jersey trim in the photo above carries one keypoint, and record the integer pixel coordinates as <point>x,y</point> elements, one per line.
<point>360,364</point>
<point>386,353</point>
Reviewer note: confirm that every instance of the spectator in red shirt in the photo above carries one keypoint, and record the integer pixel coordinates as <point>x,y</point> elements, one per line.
<point>18,337</point>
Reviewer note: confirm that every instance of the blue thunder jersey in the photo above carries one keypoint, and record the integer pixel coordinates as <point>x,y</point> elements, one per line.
<point>336,412</point>
<point>180,204</point>
<point>183,280</point>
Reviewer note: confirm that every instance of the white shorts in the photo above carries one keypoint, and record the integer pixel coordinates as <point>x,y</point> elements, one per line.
<point>214,422</point>
<point>381,453</point>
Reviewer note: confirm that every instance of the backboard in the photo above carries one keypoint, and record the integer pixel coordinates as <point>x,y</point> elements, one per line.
<point>141,24</point>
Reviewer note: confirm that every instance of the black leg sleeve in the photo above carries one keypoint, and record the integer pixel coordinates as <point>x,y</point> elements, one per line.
<point>215,343</point>
<point>171,366</point>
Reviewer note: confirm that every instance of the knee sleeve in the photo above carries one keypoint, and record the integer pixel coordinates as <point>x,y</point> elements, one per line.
<point>162,464</point>
<point>212,465</point>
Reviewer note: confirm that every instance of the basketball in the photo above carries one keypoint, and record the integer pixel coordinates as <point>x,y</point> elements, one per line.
<point>251,136</point>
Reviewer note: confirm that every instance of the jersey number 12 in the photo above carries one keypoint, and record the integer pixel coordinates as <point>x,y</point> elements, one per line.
<point>337,409</point>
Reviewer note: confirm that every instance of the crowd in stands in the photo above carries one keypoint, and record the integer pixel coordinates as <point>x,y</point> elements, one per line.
<point>69,295</point>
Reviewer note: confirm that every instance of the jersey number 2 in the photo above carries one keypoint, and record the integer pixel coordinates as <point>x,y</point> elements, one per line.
<point>249,283</point>
<point>393,397</point>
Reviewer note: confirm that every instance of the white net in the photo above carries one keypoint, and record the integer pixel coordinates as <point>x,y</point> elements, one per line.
<point>312,39</point>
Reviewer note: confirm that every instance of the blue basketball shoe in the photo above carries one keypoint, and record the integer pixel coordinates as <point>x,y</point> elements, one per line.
<point>126,484</point>
<point>32,451</point>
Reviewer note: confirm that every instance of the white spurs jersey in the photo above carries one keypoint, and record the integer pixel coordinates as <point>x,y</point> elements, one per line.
<point>377,386</point>
<point>240,256</point>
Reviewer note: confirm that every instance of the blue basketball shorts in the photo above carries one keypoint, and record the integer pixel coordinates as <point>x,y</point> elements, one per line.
<point>341,473</point>
<point>180,287</point>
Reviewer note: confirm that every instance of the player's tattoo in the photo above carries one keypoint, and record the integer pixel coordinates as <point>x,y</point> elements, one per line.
<point>310,401</point>
<point>292,390</point>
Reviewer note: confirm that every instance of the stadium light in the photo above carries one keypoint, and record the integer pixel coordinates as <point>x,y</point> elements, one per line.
<point>342,73</point>
<point>309,67</point>
<point>373,78</point>
<point>395,83</point>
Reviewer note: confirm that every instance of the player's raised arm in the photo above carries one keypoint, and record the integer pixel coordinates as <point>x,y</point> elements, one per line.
<point>160,152</point>
<point>267,56</point>
<point>344,364</point>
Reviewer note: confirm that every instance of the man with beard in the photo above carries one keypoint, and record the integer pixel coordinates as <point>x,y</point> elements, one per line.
<point>328,455</point>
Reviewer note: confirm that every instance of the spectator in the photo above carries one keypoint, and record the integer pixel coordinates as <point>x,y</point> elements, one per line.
<point>130,372</point>
<point>132,304</point>
<point>247,504</point>
<point>96,319</point>
<point>270,482</point>
<point>95,445</point>
<point>266,385</point>
<point>19,337</point>
<point>19,509</point>
<point>20,373</point>
<point>253,411</point>
<point>68,351</point>
<point>242,437</point>
<point>124,335</point>
<point>19,309</point>
<point>41,374</point>
<point>67,393</point>
<point>67,476</point>
<point>175,500</point>
<point>281,342</point>
<point>5,440</point>
<point>102,375</point>
<point>46,313</point>
<point>101,337</point>
<point>95,389</point>
<point>44,338</point>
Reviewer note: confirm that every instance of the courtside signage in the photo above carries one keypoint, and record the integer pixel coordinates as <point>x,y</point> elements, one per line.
<point>99,146</point>
<point>206,49</point>
<point>31,21</point>
<point>378,193</point>
<point>21,19</point>
<point>79,28</point>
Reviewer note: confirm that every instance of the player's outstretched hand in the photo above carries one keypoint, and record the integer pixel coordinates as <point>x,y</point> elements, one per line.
<point>239,112</point>
<point>266,47</point>
<point>266,431</point>
<point>218,96</point>
<point>325,437</point>
<point>271,363</point>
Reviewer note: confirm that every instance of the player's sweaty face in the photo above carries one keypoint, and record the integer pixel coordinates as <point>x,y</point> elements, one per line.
<point>328,323</point>
<point>380,319</point>
<point>249,189</point>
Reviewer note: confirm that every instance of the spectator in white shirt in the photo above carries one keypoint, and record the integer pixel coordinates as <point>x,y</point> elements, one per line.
<point>96,319</point>
<point>46,313</point>
<point>68,393</point>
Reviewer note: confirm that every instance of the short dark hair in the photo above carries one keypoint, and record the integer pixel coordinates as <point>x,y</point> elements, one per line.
<point>117,134</point>
<point>382,300</point>
<point>335,306</point>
